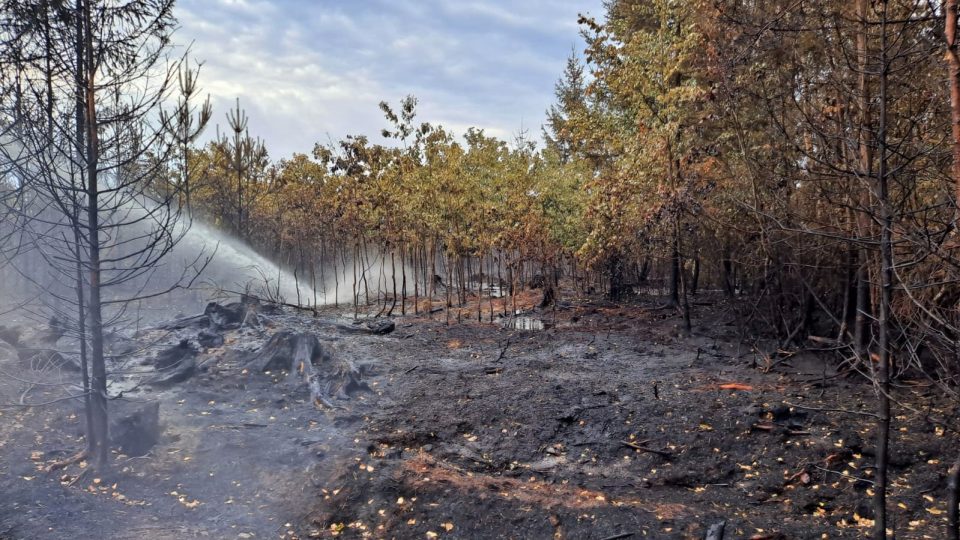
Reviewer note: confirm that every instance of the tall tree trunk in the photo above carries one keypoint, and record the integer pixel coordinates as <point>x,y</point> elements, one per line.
<point>615,270</point>
<point>393,276</point>
<point>403,283</point>
<point>953,502</point>
<point>432,279</point>
<point>681,275</point>
<point>77,236</point>
<point>480,290</point>
<point>356,293</point>
<point>503,297</point>
<point>695,280</point>
<point>499,283</point>
<point>953,56</point>
<point>726,272</point>
<point>886,296</point>
<point>449,284</point>
<point>674,298</point>
<point>415,262</point>
<point>864,308</point>
<point>98,380</point>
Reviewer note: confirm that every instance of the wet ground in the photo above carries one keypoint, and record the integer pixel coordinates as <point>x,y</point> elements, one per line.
<point>609,422</point>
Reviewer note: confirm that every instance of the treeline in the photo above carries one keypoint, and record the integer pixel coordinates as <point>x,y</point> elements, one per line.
<point>428,217</point>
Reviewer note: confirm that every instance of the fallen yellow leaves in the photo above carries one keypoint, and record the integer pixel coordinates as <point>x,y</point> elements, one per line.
<point>185,501</point>
<point>424,471</point>
<point>735,386</point>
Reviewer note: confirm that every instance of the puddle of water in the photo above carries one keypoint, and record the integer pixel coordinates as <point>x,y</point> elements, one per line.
<point>527,324</point>
<point>495,291</point>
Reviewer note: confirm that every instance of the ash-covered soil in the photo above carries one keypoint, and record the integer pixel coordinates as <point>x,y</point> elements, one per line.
<point>610,423</point>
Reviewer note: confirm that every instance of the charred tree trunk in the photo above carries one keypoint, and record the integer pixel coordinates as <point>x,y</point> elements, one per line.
<point>393,277</point>
<point>491,260</point>
<point>615,272</point>
<point>953,56</point>
<point>674,298</point>
<point>447,288</point>
<point>480,290</point>
<point>886,296</point>
<point>98,380</point>
<point>403,281</point>
<point>77,233</point>
<point>864,311</point>
<point>414,262</point>
<point>726,274</point>
<point>431,280</point>
<point>695,280</point>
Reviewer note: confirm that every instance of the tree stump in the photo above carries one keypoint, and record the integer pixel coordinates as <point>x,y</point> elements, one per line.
<point>134,427</point>
<point>326,376</point>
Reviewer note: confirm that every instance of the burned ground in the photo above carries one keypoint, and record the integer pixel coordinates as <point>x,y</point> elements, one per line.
<point>609,422</point>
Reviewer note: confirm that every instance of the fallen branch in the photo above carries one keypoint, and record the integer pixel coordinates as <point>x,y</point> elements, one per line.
<point>311,309</point>
<point>76,458</point>
<point>635,446</point>
<point>784,356</point>
<point>824,340</point>
<point>503,351</point>
<point>78,477</point>
<point>825,409</point>
<point>845,475</point>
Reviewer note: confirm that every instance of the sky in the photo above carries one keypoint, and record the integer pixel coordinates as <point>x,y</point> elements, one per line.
<point>310,71</point>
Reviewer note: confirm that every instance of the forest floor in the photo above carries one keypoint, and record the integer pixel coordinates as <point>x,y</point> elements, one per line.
<point>611,422</point>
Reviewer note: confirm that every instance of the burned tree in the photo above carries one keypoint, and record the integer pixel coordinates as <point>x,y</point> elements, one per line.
<point>83,142</point>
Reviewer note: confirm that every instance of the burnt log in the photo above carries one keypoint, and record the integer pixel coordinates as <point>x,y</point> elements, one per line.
<point>183,323</point>
<point>233,315</point>
<point>8,354</point>
<point>175,364</point>
<point>172,356</point>
<point>378,327</point>
<point>210,340</point>
<point>37,349</point>
<point>10,334</point>
<point>218,316</point>
<point>225,317</point>
<point>326,376</point>
<point>134,427</point>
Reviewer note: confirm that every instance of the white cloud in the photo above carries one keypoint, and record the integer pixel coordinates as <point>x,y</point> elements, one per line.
<point>306,69</point>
